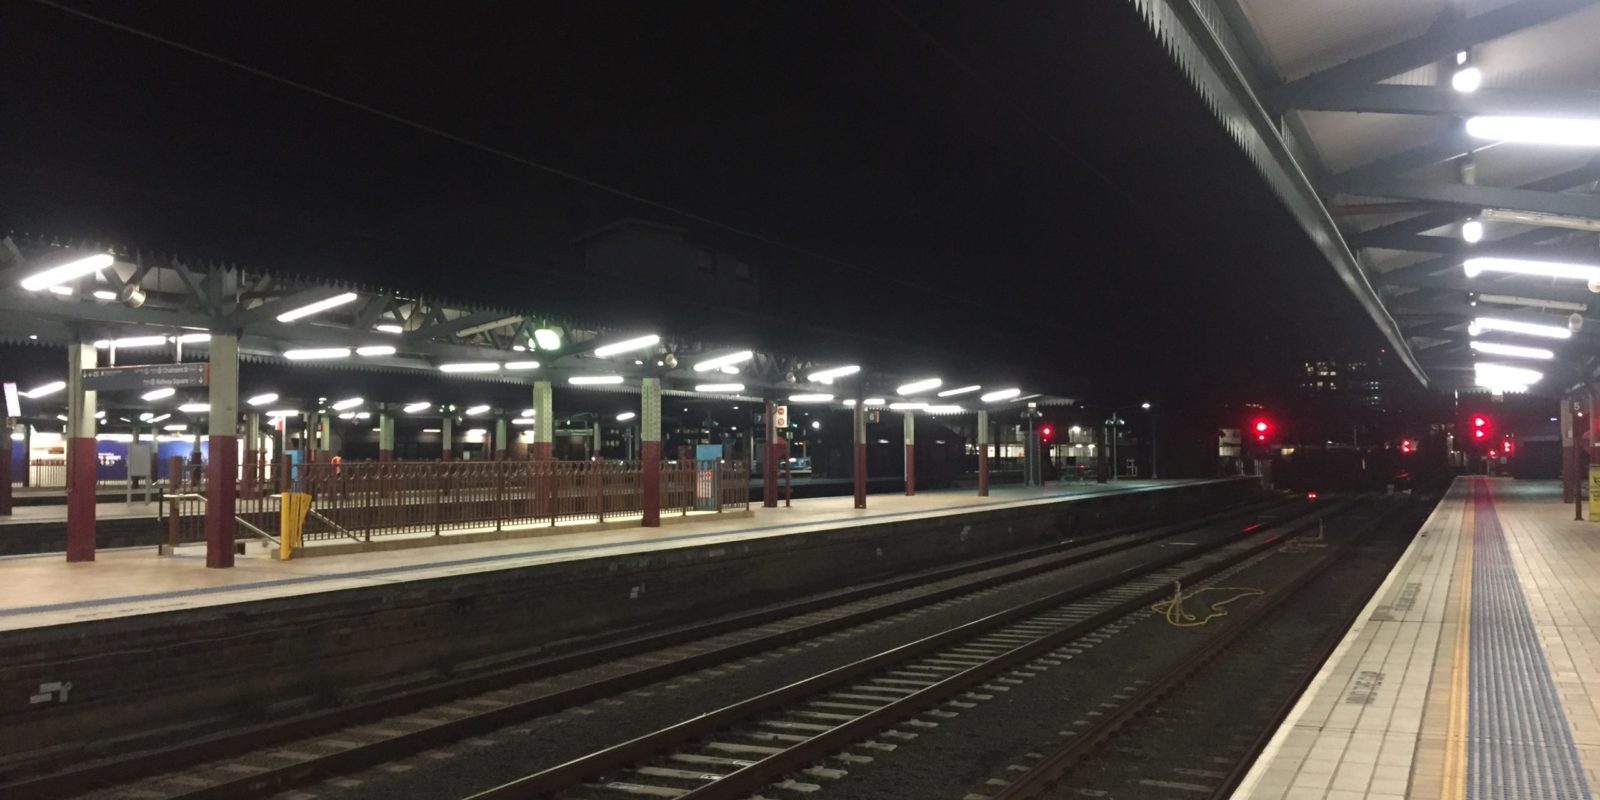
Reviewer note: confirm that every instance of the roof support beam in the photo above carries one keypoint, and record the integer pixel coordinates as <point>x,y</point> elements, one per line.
<point>1383,98</point>
<point>1587,173</point>
<point>1519,288</point>
<point>1509,247</point>
<point>1477,196</point>
<point>1440,42</point>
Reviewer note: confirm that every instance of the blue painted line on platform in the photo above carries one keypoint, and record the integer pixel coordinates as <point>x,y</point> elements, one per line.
<point>1519,743</point>
<point>464,562</point>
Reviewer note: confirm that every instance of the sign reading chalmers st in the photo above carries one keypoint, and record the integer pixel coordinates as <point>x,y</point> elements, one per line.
<point>147,376</point>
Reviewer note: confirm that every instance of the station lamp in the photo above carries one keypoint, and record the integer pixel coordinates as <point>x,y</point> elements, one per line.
<point>317,307</point>
<point>71,270</point>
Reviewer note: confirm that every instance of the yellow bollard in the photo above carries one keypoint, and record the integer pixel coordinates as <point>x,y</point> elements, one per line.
<point>292,510</point>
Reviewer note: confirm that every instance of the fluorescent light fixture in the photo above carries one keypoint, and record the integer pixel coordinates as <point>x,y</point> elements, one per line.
<point>1562,131</point>
<point>71,270</point>
<point>730,370</point>
<point>1522,266</point>
<point>147,416</point>
<point>1542,219</point>
<point>1500,387</point>
<point>263,399</point>
<point>64,291</point>
<point>724,361</point>
<point>919,386</point>
<point>348,415</point>
<point>283,412</point>
<point>45,390</point>
<point>160,418</point>
<point>945,409</point>
<point>195,408</point>
<point>907,406</point>
<point>522,421</point>
<point>420,405</point>
<point>1484,324</point>
<point>519,348</point>
<point>628,345</point>
<point>810,398</point>
<point>159,394</point>
<point>962,390</point>
<point>1505,373</point>
<point>1467,80</point>
<point>176,426</point>
<point>526,412</point>
<point>1003,394</point>
<point>474,411</point>
<point>1472,231</point>
<point>388,327</point>
<point>470,366</point>
<point>521,365</point>
<point>488,326</point>
<point>849,402</point>
<point>1535,302</point>
<point>375,350</point>
<point>363,414</point>
<point>431,430</point>
<point>594,380</point>
<point>723,388</point>
<point>1515,351</point>
<point>547,339</point>
<point>625,416</point>
<point>104,294</point>
<point>132,341</point>
<point>828,375</point>
<point>101,414</point>
<point>348,402</point>
<point>314,308</point>
<point>192,338</point>
<point>62,417</point>
<point>317,353</point>
<point>874,401</point>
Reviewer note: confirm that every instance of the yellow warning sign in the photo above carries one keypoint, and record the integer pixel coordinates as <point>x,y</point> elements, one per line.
<point>292,510</point>
<point>1594,494</point>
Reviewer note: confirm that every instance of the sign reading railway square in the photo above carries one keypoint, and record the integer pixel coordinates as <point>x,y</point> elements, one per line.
<point>147,376</point>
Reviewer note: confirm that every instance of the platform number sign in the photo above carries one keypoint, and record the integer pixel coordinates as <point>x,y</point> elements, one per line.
<point>780,416</point>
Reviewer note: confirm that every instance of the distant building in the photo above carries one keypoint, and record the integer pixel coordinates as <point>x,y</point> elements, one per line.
<point>1359,383</point>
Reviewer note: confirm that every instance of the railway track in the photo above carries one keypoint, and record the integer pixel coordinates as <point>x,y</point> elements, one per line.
<point>791,737</point>
<point>1195,693</point>
<point>265,759</point>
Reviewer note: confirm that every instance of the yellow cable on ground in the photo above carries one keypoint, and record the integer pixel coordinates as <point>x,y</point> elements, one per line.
<point>1172,608</point>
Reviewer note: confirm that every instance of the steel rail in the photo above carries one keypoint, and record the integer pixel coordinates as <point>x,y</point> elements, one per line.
<point>236,743</point>
<point>746,780</point>
<point>1043,776</point>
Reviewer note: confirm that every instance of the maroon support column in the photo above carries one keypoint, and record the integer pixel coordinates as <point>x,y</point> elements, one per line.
<point>222,473</point>
<point>769,459</point>
<point>859,424</point>
<point>650,449</point>
<point>6,447</point>
<point>911,451</point>
<point>80,453</point>
<point>983,453</point>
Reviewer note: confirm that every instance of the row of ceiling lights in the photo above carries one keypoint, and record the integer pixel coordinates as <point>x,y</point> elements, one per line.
<point>1570,132</point>
<point>544,338</point>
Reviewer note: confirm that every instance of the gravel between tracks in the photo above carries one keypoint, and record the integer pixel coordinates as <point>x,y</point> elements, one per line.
<point>516,750</point>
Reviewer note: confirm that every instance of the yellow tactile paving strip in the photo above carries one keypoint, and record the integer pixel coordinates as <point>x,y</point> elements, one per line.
<point>1411,735</point>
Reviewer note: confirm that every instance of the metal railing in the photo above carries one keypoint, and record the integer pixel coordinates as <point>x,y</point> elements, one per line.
<point>361,501</point>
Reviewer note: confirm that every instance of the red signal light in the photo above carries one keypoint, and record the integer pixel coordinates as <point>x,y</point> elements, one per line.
<point>1046,432</point>
<point>1506,447</point>
<point>1407,446</point>
<point>1479,422</point>
<point>1261,426</point>
<point>1479,434</point>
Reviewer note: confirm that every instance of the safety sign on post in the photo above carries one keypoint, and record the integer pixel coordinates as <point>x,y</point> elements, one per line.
<point>780,416</point>
<point>1594,494</point>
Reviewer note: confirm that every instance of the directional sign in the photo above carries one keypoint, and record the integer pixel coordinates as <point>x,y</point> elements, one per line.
<point>147,376</point>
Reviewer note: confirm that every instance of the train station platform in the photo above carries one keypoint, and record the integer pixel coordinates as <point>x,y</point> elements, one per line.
<point>1474,672</point>
<point>43,590</point>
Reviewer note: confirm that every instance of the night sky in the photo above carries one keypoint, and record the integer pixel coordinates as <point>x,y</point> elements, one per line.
<point>1031,187</point>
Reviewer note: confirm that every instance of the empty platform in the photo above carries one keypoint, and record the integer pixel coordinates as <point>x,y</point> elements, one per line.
<point>1474,672</point>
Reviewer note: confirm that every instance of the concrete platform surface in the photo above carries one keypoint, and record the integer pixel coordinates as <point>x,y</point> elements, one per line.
<point>1474,672</point>
<point>43,590</point>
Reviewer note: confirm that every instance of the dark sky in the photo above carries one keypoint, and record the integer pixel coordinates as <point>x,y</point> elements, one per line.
<point>1029,188</point>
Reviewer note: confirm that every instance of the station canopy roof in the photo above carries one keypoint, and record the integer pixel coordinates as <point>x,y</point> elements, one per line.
<point>53,292</point>
<point>1443,155</point>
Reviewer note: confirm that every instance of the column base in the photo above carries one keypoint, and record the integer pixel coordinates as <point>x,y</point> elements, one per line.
<point>650,490</point>
<point>221,501</point>
<point>81,462</point>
